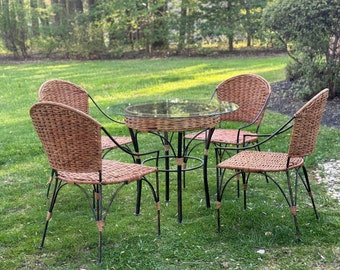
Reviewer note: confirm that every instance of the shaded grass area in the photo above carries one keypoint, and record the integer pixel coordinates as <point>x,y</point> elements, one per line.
<point>262,237</point>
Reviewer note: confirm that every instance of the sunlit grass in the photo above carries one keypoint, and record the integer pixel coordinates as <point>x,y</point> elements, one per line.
<point>130,241</point>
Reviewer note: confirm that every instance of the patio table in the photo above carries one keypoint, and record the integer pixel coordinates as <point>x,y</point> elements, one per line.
<point>166,117</point>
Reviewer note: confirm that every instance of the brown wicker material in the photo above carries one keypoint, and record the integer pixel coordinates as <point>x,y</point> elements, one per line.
<point>306,123</point>
<point>251,93</point>
<point>259,161</point>
<point>179,124</point>
<point>73,95</point>
<point>72,142</point>
<point>114,172</point>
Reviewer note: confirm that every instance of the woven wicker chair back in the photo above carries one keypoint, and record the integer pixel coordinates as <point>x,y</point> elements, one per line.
<point>64,92</point>
<point>70,138</point>
<point>306,126</point>
<point>250,92</point>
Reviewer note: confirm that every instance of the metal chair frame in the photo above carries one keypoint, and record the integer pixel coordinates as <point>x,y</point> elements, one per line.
<point>251,92</point>
<point>52,119</point>
<point>304,126</point>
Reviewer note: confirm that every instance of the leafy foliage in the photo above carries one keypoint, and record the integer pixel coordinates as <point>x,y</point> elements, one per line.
<point>79,28</point>
<point>310,31</point>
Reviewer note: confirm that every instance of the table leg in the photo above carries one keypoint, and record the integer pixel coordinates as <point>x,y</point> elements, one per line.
<point>179,175</point>
<point>133,135</point>
<point>167,167</point>
<point>205,166</point>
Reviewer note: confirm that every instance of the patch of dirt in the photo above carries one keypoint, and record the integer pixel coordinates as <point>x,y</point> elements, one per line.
<point>283,101</point>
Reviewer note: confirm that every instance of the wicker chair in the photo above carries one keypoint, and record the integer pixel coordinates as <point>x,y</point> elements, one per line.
<point>73,95</point>
<point>251,93</point>
<point>305,125</point>
<point>79,161</point>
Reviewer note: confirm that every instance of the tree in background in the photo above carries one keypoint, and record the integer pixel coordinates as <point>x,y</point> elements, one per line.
<point>250,19</point>
<point>105,28</point>
<point>220,18</point>
<point>134,24</point>
<point>14,27</point>
<point>310,30</point>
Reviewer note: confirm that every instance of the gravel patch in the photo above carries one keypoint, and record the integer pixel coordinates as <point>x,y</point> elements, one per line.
<point>329,174</point>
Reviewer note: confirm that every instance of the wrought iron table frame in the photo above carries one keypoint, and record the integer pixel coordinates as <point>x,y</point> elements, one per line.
<point>161,117</point>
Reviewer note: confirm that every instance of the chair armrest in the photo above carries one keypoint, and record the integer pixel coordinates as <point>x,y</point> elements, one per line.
<point>135,156</point>
<point>103,112</point>
<point>255,118</point>
<point>266,137</point>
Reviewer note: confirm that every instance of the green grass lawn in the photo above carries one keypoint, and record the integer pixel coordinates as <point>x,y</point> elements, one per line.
<point>131,242</point>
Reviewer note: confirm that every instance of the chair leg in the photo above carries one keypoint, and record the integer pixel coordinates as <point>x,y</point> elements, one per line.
<point>49,183</point>
<point>244,186</point>
<point>99,220</point>
<point>155,193</point>
<point>293,208</point>
<point>158,204</point>
<point>205,178</point>
<point>219,192</point>
<point>218,206</point>
<point>309,190</point>
<point>238,185</point>
<point>56,189</point>
<point>138,197</point>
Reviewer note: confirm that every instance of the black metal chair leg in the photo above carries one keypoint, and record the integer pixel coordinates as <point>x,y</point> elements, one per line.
<point>309,190</point>
<point>293,208</point>
<point>218,216</point>
<point>100,221</point>
<point>56,189</point>
<point>244,187</point>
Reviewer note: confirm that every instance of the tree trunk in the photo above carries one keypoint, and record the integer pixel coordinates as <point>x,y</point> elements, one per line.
<point>183,25</point>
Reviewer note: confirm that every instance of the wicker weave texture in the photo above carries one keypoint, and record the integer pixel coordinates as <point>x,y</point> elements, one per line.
<point>225,136</point>
<point>64,92</point>
<point>107,143</point>
<point>257,161</point>
<point>306,125</point>
<point>113,172</point>
<point>73,95</point>
<point>250,92</point>
<point>171,124</point>
<point>70,138</point>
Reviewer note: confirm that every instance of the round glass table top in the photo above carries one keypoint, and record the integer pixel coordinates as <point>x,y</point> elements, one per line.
<point>173,108</point>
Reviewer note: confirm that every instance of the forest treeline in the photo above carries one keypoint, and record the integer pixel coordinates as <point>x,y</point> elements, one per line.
<point>308,30</point>
<point>90,28</point>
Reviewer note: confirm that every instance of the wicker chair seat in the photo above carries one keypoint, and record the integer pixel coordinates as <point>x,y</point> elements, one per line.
<point>113,172</point>
<point>226,136</point>
<point>107,143</point>
<point>255,161</point>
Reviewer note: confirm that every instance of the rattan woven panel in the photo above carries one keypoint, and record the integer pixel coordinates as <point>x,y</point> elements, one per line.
<point>225,136</point>
<point>179,124</point>
<point>306,125</point>
<point>107,143</point>
<point>71,139</point>
<point>257,161</point>
<point>249,91</point>
<point>66,93</point>
<point>113,172</point>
